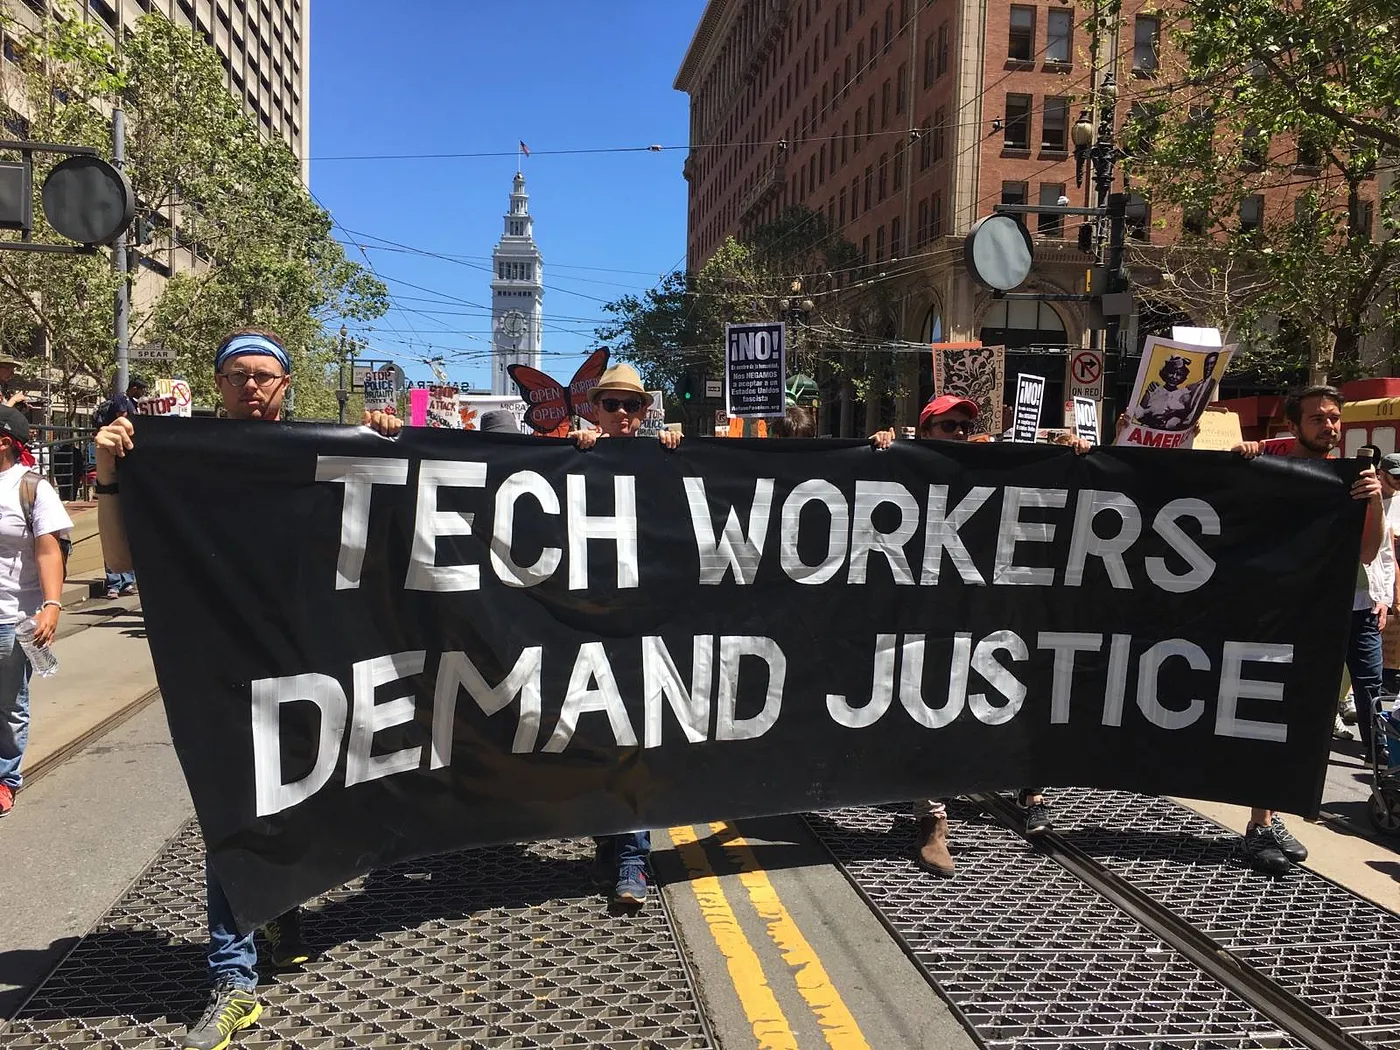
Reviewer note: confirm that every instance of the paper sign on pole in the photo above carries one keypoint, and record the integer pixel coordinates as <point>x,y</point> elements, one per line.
<point>1175,382</point>
<point>1086,420</point>
<point>755,369</point>
<point>1030,396</point>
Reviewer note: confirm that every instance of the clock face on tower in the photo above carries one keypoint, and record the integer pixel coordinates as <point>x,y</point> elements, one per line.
<point>513,324</point>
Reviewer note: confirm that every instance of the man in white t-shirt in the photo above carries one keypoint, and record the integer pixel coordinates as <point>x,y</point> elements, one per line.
<point>31,583</point>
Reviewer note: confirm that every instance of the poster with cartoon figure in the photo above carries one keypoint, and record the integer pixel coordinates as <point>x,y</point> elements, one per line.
<point>1175,383</point>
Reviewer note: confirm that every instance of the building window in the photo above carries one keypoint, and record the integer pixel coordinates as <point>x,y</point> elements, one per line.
<point>845,138</point>
<point>860,61</point>
<point>921,227</point>
<point>869,184</point>
<point>885,105</point>
<point>883,180</point>
<point>901,89</point>
<point>846,86</point>
<point>889,27</point>
<point>926,145</point>
<point>1054,124</point>
<point>1017,134</point>
<point>1254,147</point>
<point>865,249</point>
<point>930,60</point>
<point>940,132</point>
<point>1251,213</point>
<point>1059,36</point>
<point>855,197</point>
<point>1013,193</point>
<point>880,244</point>
<point>841,207</point>
<point>899,167</point>
<point>1021,43</point>
<point>1309,151</point>
<point>1362,217</point>
<point>1145,33</point>
<point>935,216</point>
<point>943,49</point>
<point>860,120</point>
<point>896,234</point>
<point>1050,225</point>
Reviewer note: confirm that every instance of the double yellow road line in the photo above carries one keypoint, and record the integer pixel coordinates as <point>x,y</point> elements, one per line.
<point>771,1026</point>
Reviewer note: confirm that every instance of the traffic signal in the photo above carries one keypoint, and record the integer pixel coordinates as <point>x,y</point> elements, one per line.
<point>685,388</point>
<point>1086,238</point>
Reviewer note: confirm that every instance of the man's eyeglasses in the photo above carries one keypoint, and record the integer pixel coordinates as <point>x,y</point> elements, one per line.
<point>238,377</point>
<point>950,426</point>
<point>612,404</point>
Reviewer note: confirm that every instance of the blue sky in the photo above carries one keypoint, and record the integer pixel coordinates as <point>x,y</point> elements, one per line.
<point>455,77</point>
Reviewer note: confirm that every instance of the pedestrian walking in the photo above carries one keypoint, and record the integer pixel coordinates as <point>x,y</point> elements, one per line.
<point>622,402</point>
<point>1315,420</point>
<point>123,403</point>
<point>31,582</point>
<point>252,373</point>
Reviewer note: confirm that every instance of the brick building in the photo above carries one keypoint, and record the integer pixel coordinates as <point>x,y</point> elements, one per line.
<point>905,121</point>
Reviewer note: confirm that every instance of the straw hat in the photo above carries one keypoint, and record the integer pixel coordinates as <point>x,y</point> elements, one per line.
<point>620,379</point>
<point>6,359</point>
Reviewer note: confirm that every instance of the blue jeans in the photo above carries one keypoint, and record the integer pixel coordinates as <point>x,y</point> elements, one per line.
<point>233,957</point>
<point>1365,663</point>
<point>632,848</point>
<point>14,706</point>
<point>117,580</point>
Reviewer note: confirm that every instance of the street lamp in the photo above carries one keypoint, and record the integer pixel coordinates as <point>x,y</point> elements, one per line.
<point>1082,135</point>
<point>342,394</point>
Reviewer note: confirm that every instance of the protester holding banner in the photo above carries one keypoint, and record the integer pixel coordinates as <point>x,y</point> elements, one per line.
<point>31,582</point>
<point>252,373</point>
<point>1315,419</point>
<point>621,402</point>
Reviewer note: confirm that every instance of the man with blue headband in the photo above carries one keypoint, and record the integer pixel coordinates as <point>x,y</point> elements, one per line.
<point>252,372</point>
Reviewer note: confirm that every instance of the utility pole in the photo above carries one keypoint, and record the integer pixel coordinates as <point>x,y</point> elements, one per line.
<point>342,393</point>
<point>122,311</point>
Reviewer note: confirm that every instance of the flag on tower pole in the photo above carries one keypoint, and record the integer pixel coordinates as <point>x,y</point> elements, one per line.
<point>524,148</point>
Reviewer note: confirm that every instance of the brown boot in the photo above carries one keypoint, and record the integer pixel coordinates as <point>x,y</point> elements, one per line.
<point>933,848</point>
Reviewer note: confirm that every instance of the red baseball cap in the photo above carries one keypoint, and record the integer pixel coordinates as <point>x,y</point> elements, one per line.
<point>946,403</point>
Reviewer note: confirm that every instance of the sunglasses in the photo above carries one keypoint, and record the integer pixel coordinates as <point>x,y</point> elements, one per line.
<point>612,404</point>
<point>950,426</point>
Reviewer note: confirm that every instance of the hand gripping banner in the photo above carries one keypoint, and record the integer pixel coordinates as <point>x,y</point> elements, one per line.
<point>375,649</point>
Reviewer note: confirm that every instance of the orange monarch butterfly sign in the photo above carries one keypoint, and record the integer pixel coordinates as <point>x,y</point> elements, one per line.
<point>549,403</point>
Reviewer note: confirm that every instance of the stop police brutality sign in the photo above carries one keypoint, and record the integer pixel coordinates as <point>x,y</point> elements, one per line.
<point>755,369</point>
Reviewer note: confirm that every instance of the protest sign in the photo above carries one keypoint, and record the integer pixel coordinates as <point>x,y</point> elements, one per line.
<point>1086,420</point>
<point>1030,395</point>
<point>381,388</point>
<point>755,369</point>
<point>1220,430</point>
<point>171,397</point>
<point>973,371</point>
<point>1175,382</point>
<point>411,646</point>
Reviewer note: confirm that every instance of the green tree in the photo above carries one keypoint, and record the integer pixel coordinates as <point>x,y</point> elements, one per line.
<point>263,253</point>
<point>678,325</point>
<point>1270,150</point>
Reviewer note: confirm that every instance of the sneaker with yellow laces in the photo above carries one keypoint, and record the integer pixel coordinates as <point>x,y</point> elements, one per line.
<point>230,1010</point>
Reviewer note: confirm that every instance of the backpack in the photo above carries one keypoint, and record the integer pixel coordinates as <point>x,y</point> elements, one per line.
<point>28,489</point>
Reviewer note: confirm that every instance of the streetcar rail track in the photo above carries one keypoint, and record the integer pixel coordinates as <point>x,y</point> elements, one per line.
<point>1300,1020</point>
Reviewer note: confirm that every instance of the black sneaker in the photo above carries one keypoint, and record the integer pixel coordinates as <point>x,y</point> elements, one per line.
<point>230,1010</point>
<point>285,945</point>
<point>1287,844</point>
<point>1038,820</point>
<point>1261,849</point>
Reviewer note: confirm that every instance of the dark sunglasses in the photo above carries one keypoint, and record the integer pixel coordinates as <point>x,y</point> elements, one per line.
<point>952,426</point>
<point>612,404</point>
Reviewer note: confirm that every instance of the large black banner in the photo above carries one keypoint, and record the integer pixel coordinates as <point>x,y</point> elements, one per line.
<point>375,649</point>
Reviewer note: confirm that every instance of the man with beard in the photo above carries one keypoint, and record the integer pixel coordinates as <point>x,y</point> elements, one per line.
<point>253,373</point>
<point>1315,420</point>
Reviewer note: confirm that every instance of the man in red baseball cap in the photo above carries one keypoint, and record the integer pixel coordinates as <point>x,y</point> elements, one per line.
<point>951,418</point>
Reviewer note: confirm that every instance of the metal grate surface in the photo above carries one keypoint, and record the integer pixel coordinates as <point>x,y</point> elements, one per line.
<point>1335,950</point>
<point>504,947</point>
<point>1030,955</point>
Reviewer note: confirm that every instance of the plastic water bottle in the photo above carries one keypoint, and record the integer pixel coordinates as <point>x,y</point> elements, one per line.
<point>41,658</point>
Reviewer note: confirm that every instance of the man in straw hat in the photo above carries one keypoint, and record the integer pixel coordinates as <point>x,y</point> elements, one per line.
<point>621,403</point>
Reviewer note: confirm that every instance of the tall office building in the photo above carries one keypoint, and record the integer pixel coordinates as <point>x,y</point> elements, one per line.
<point>904,122</point>
<point>265,47</point>
<point>517,293</point>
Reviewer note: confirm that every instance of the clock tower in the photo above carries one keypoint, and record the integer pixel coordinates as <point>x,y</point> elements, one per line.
<point>517,293</point>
